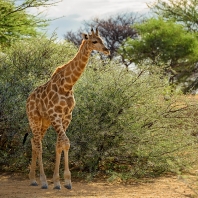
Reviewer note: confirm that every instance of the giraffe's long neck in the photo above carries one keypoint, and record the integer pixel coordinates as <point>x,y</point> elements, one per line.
<point>68,74</point>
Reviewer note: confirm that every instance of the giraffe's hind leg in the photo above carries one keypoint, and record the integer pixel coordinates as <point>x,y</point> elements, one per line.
<point>35,125</point>
<point>45,125</point>
<point>33,166</point>
<point>38,130</point>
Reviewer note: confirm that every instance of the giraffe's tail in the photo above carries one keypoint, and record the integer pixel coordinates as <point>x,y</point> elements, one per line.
<point>25,137</point>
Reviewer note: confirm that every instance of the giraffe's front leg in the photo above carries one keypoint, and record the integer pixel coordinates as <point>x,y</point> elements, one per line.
<point>67,173</point>
<point>56,177</point>
<point>62,145</point>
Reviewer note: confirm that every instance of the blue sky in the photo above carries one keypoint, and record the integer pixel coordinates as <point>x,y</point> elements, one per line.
<point>77,11</point>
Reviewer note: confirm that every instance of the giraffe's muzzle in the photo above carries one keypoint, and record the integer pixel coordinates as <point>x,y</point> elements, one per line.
<point>106,51</point>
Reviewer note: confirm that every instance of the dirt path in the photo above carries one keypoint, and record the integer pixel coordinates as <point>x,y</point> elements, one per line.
<point>13,186</point>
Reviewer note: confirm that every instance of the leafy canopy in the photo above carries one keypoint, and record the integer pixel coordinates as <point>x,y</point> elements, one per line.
<point>182,11</point>
<point>165,44</point>
<point>161,41</point>
<point>16,23</point>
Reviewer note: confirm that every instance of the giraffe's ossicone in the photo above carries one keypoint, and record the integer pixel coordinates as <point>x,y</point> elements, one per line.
<point>52,104</point>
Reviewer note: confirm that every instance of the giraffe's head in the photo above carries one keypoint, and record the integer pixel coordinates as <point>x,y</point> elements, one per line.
<point>95,42</point>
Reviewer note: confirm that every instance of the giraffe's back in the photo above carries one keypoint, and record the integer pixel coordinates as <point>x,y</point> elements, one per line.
<point>50,100</point>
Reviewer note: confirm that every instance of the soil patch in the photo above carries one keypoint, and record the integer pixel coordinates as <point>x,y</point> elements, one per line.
<point>17,186</point>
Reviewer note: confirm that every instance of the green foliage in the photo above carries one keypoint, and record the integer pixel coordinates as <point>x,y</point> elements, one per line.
<point>16,23</point>
<point>13,25</point>
<point>181,11</point>
<point>165,44</point>
<point>162,42</point>
<point>121,126</point>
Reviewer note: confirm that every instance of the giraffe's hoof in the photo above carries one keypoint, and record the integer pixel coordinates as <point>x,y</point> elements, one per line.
<point>68,186</point>
<point>57,187</point>
<point>33,184</point>
<point>45,186</point>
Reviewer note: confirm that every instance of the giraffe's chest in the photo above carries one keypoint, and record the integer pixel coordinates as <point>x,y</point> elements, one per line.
<point>67,103</point>
<point>56,103</point>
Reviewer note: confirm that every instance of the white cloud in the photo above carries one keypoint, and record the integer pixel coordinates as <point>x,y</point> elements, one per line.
<point>76,11</point>
<point>90,8</point>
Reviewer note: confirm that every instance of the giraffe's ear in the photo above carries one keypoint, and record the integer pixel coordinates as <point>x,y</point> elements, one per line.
<point>85,36</point>
<point>97,33</point>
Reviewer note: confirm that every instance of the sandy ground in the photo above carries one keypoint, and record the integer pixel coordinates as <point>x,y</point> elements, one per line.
<point>17,186</point>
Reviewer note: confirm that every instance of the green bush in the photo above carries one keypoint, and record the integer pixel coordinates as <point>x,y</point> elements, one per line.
<point>24,66</point>
<point>121,123</point>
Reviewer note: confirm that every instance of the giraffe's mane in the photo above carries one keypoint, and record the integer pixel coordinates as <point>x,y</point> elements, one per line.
<point>59,68</point>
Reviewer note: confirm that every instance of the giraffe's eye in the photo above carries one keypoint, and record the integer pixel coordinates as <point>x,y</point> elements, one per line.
<point>94,42</point>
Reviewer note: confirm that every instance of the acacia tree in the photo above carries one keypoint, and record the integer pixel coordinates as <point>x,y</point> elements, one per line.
<point>16,23</point>
<point>114,30</point>
<point>182,11</point>
<point>165,44</point>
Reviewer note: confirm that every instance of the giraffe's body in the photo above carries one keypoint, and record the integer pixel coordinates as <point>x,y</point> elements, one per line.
<point>52,104</point>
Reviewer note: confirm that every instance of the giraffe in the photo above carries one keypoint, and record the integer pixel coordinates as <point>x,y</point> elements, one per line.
<point>51,104</point>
